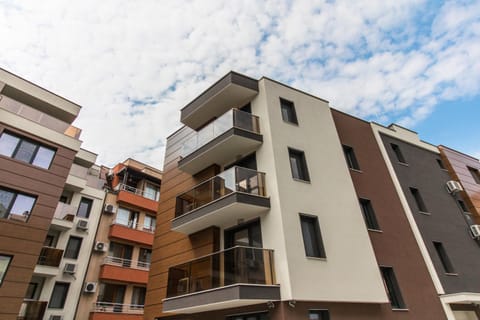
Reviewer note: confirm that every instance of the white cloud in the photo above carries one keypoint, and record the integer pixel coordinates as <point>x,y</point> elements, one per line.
<point>383,60</point>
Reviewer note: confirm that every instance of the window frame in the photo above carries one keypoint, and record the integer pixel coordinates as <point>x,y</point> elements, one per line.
<point>8,211</point>
<point>475,173</point>
<point>76,250</point>
<point>323,314</point>
<point>350,157</point>
<point>90,205</point>
<point>63,298</point>
<point>369,215</point>
<point>444,258</point>
<point>301,161</point>
<point>287,109</point>
<point>391,285</point>
<point>3,273</point>
<point>317,245</point>
<point>417,197</point>
<point>398,153</point>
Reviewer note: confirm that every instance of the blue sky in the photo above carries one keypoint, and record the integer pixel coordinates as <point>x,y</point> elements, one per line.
<point>133,65</point>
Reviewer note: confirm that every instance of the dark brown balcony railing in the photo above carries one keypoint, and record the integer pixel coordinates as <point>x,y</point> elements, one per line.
<point>237,265</point>
<point>32,310</point>
<point>235,179</point>
<point>50,257</point>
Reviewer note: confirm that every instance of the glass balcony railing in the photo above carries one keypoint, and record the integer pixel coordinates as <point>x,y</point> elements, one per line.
<point>32,310</point>
<point>231,119</point>
<point>65,211</point>
<point>50,257</point>
<point>235,179</point>
<point>237,265</point>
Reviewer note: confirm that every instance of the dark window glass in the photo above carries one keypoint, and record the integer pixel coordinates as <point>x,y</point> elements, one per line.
<point>318,315</point>
<point>398,153</point>
<point>298,164</point>
<point>369,214</point>
<point>475,174</point>
<point>350,157</point>
<point>138,296</point>
<point>26,150</point>
<point>418,200</point>
<point>250,316</point>
<point>442,254</point>
<point>73,248</point>
<point>312,238</point>
<point>59,295</point>
<point>15,205</point>
<point>392,288</point>
<point>144,258</point>
<point>288,111</point>
<point>84,208</point>
<point>462,205</point>
<point>248,235</point>
<point>440,164</point>
<point>4,263</point>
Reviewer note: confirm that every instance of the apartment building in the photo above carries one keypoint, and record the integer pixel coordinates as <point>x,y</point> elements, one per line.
<point>38,146</point>
<point>115,283</point>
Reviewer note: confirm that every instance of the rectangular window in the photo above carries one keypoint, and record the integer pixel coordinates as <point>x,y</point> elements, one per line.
<point>318,315</point>
<point>127,217</point>
<point>59,295</point>
<point>151,192</point>
<point>298,164</point>
<point>369,214</point>
<point>418,200</point>
<point>4,263</point>
<point>73,247</point>
<point>288,111</point>
<point>15,205</point>
<point>26,150</point>
<point>249,316</point>
<point>398,153</point>
<point>138,296</point>
<point>144,258</point>
<point>392,288</point>
<point>475,174</point>
<point>149,223</point>
<point>462,205</point>
<point>312,238</point>
<point>442,254</point>
<point>352,162</point>
<point>440,164</point>
<point>84,208</point>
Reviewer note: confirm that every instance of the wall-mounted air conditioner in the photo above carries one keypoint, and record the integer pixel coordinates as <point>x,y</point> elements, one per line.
<point>70,268</point>
<point>109,208</point>
<point>82,224</point>
<point>475,229</point>
<point>90,287</point>
<point>100,246</point>
<point>454,186</point>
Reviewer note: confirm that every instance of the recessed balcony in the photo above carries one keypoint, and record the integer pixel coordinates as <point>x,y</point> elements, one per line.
<point>114,311</point>
<point>124,270</point>
<point>235,133</point>
<point>137,197</point>
<point>48,262</point>
<point>235,277</point>
<point>63,217</point>
<point>237,193</point>
<point>32,310</point>
<point>131,232</point>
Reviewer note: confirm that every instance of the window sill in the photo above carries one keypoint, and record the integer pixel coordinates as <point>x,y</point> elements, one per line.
<point>403,164</point>
<point>300,180</point>
<point>425,213</point>
<point>317,258</point>
<point>375,230</point>
<point>356,170</point>
<point>291,123</point>
<point>451,274</point>
<point>400,309</point>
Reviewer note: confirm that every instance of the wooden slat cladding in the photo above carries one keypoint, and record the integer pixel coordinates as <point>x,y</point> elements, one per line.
<point>458,164</point>
<point>169,247</point>
<point>23,240</point>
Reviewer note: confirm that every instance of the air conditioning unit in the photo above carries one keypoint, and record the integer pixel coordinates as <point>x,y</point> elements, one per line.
<point>55,317</point>
<point>454,186</point>
<point>82,224</point>
<point>109,208</point>
<point>475,229</point>
<point>90,287</point>
<point>100,246</point>
<point>70,268</point>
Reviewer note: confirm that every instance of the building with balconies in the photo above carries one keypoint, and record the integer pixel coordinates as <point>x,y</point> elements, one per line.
<point>115,284</point>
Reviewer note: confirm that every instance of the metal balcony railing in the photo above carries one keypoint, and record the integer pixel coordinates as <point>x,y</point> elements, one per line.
<point>233,118</point>
<point>65,211</point>
<point>101,306</point>
<point>126,263</point>
<point>134,225</point>
<point>237,265</point>
<point>50,257</point>
<point>235,179</point>
<point>143,193</point>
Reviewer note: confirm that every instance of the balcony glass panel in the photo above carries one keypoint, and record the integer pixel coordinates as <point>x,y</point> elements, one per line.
<point>231,119</point>
<point>32,310</point>
<point>237,265</point>
<point>235,179</point>
<point>50,257</point>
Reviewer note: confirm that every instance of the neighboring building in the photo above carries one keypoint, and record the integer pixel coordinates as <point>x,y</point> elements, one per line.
<point>117,276</point>
<point>37,148</point>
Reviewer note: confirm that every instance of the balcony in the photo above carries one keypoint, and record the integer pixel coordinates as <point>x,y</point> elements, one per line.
<point>118,269</point>
<point>235,133</point>
<point>131,232</point>
<point>237,193</point>
<point>115,311</point>
<point>137,197</point>
<point>32,310</point>
<point>63,217</point>
<point>48,262</point>
<point>235,277</point>
<point>77,178</point>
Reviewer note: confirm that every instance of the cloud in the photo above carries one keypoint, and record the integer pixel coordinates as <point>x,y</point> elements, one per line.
<point>133,65</point>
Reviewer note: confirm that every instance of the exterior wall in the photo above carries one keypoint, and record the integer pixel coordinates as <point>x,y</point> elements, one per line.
<point>24,240</point>
<point>373,182</point>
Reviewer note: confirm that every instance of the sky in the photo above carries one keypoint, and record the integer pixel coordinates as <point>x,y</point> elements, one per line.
<point>132,65</point>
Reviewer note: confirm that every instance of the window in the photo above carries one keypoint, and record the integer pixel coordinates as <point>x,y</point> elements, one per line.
<point>149,223</point>
<point>392,288</point>
<point>298,164</point>
<point>442,254</point>
<point>312,239</point>
<point>352,162</point>
<point>418,200</point>
<point>4,263</point>
<point>138,296</point>
<point>288,111</point>
<point>475,174</point>
<point>15,205</point>
<point>369,214</point>
<point>462,205</point>
<point>398,153</point>
<point>250,316</point>
<point>144,258</point>
<point>318,315</point>
<point>84,208</point>
<point>73,247</point>
<point>152,192</point>
<point>59,295</point>
<point>26,150</point>
<point>440,164</point>
<point>127,218</point>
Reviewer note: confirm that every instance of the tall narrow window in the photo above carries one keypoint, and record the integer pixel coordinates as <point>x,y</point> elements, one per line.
<point>15,205</point>
<point>298,164</point>
<point>462,205</point>
<point>26,150</point>
<point>288,111</point>
<point>84,208</point>
<point>475,174</point>
<point>59,295</point>
<point>392,288</point>
<point>73,247</point>
<point>418,200</point>
<point>318,315</point>
<point>4,263</point>
<point>398,153</point>
<point>312,239</point>
<point>369,214</point>
<point>442,254</point>
<point>352,162</point>
<point>440,164</point>
<point>138,297</point>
